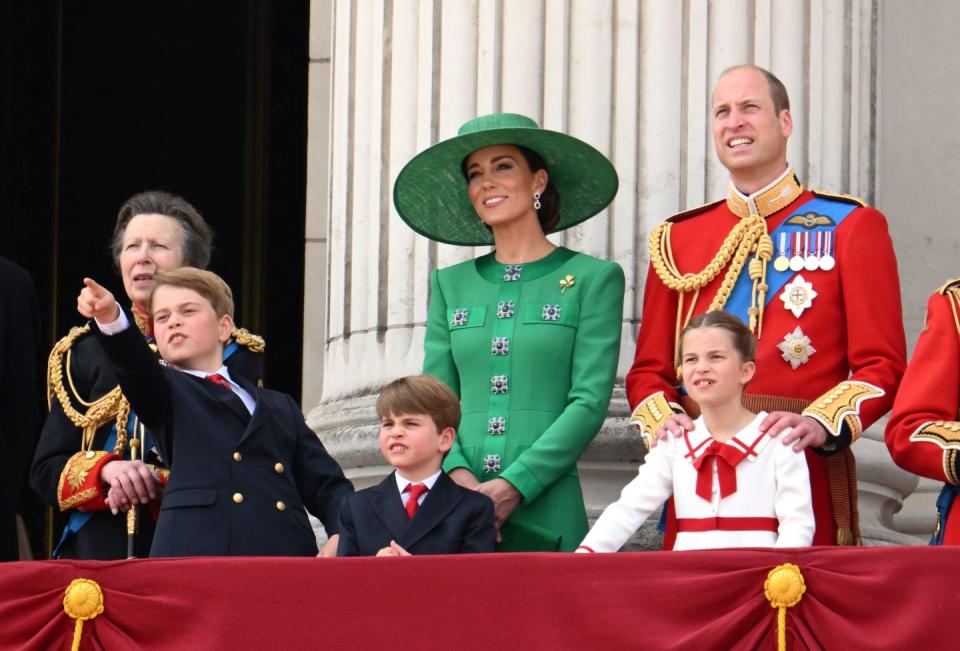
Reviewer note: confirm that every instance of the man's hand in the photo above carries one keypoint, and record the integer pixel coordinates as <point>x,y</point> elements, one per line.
<point>96,302</point>
<point>505,498</point>
<point>130,482</point>
<point>673,426</point>
<point>329,549</point>
<point>393,550</point>
<point>806,432</point>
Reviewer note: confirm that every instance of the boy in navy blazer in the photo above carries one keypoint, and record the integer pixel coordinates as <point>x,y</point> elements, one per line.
<point>243,464</point>
<point>417,509</point>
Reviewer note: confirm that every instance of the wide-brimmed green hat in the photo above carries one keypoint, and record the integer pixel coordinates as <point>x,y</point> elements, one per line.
<point>430,192</point>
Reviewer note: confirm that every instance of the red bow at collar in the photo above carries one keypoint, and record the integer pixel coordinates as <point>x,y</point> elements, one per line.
<point>726,458</point>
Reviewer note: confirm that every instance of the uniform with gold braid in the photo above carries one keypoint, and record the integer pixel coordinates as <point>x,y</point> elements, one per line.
<point>923,434</point>
<point>815,278</point>
<point>86,407</point>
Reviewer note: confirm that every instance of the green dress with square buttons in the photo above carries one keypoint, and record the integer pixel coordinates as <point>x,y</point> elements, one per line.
<point>532,352</point>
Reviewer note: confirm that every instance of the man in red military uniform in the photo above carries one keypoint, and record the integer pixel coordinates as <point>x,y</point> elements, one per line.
<point>923,434</point>
<point>813,275</point>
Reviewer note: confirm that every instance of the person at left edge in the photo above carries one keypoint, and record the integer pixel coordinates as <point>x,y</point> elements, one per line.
<point>82,452</point>
<point>527,336</point>
<point>243,463</point>
<point>19,333</point>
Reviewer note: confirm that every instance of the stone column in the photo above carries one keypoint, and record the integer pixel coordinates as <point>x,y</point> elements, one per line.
<point>631,78</point>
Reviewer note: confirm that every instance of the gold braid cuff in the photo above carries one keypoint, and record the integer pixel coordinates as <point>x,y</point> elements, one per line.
<point>946,435</point>
<point>840,405</point>
<point>75,474</point>
<point>651,414</point>
<point>111,406</point>
<point>245,338</point>
<point>950,466</point>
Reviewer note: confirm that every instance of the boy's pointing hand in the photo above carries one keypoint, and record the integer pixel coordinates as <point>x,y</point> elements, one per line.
<point>96,302</point>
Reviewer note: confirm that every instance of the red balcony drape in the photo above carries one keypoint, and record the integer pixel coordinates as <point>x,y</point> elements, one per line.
<point>878,598</point>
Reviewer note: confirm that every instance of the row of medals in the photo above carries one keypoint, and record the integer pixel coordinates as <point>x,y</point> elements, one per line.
<point>811,251</point>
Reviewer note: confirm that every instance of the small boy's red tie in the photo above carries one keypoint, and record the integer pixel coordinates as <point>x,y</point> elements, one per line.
<point>216,378</point>
<point>413,503</point>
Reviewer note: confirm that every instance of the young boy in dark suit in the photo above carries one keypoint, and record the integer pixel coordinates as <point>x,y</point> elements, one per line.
<point>243,464</point>
<point>417,509</point>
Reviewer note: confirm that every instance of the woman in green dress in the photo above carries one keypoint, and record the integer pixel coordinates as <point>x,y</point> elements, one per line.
<point>528,336</point>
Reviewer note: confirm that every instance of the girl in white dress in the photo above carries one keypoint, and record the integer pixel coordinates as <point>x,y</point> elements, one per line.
<point>732,486</point>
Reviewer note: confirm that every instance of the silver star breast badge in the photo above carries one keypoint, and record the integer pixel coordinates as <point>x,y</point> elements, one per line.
<point>796,348</point>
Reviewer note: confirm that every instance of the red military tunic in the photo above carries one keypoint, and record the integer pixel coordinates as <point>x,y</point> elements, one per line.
<point>923,434</point>
<point>836,357</point>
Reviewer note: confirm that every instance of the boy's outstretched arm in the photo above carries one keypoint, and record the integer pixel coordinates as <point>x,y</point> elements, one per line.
<point>131,481</point>
<point>141,377</point>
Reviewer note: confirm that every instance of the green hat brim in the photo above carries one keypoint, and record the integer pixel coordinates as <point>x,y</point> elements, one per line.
<point>430,193</point>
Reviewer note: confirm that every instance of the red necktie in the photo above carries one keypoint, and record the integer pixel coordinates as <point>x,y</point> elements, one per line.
<point>216,378</point>
<point>726,458</point>
<point>413,503</point>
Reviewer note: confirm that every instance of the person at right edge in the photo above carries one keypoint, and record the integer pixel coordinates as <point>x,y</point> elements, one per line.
<point>923,434</point>
<point>812,274</point>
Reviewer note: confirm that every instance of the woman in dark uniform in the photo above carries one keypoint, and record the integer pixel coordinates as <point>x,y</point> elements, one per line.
<point>528,336</point>
<point>91,442</point>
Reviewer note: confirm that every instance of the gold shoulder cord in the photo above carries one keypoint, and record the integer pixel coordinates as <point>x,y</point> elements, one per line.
<point>749,236</point>
<point>111,406</point>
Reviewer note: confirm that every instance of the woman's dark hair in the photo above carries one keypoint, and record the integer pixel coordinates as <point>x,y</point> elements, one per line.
<point>197,234</point>
<point>743,340</point>
<point>549,213</point>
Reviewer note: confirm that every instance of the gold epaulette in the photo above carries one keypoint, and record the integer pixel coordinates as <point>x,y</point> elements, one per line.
<point>245,338</point>
<point>693,212</point>
<point>846,198</point>
<point>841,405</point>
<point>949,285</point>
<point>113,405</point>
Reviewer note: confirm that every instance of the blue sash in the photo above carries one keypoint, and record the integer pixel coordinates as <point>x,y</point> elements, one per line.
<point>230,350</point>
<point>740,298</point>
<point>944,501</point>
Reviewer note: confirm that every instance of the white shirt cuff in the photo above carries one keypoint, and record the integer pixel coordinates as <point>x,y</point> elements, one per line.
<point>115,327</point>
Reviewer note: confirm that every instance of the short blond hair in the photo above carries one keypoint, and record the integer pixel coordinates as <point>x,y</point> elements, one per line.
<point>420,394</point>
<point>206,283</point>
